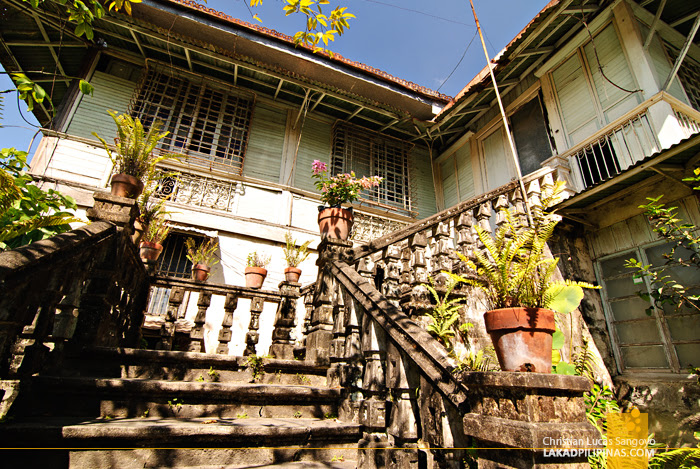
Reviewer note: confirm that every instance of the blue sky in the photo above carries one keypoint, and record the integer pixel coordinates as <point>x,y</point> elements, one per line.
<point>417,40</point>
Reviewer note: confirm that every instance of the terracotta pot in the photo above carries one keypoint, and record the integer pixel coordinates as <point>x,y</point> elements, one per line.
<point>522,338</point>
<point>255,276</point>
<point>200,272</point>
<point>124,185</point>
<point>150,251</point>
<point>292,274</point>
<point>335,222</point>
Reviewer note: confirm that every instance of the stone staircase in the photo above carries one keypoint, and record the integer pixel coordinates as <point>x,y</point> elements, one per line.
<point>128,408</point>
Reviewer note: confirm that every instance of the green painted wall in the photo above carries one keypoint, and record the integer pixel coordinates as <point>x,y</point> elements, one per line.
<point>315,145</point>
<point>265,143</point>
<point>91,116</point>
<point>424,201</point>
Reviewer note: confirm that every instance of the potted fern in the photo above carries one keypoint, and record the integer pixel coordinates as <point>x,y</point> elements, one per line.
<point>255,271</point>
<point>516,274</point>
<point>133,161</point>
<point>203,257</point>
<point>294,255</point>
<point>153,236</point>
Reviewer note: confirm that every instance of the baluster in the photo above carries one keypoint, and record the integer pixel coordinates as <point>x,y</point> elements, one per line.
<point>365,267</point>
<point>337,352</point>
<point>419,296</point>
<point>351,371</point>
<point>547,184</point>
<point>483,217</point>
<point>197,332</point>
<point>230,305</point>
<point>321,332</point>
<point>403,380</point>
<point>392,275</point>
<point>167,330</point>
<point>282,344</point>
<point>534,199</point>
<point>252,336</point>
<point>501,206</point>
<point>442,253</point>
<point>29,352</point>
<point>518,203</point>
<point>373,407</point>
<point>466,241</point>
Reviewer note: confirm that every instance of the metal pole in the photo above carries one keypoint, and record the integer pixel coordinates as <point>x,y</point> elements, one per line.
<point>505,120</point>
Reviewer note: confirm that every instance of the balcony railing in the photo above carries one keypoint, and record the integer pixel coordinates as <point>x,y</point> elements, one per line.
<point>622,143</point>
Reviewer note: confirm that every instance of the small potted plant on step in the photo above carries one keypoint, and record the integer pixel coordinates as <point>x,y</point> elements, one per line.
<point>153,236</point>
<point>133,161</point>
<point>294,255</point>
<point>255,271</point>
<point>516,273</point>
<point>335,221</point>
<point>203,257</point>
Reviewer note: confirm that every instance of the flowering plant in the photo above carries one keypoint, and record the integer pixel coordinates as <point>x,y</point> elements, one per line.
<point>341,188</point>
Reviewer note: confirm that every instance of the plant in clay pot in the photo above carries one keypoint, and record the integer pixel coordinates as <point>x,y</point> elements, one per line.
<point>335,221</point>
<point>133,161</point>
<point>154,234</point>
<point>516,273</point>
<point>203,257</point>
<point>294,255</point>
<point>255,271</point>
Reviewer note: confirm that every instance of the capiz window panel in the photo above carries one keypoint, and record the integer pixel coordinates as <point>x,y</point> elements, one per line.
<point>368,153</point>
<point>205,123</point>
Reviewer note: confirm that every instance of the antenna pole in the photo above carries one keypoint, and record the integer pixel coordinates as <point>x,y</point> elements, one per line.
<point>503,115</point>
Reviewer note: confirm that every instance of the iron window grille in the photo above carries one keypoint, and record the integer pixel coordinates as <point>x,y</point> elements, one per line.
<point>173,261</point>
<point>369,153</point>
<point>204,122</point>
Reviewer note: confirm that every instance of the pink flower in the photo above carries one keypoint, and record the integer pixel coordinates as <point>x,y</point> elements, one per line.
<point>318,167</point>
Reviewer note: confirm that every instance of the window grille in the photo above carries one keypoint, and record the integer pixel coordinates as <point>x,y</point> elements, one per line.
<point>368,153</point>
<point>202,121</point>
<point>173,260</point>
<point>689,76</point>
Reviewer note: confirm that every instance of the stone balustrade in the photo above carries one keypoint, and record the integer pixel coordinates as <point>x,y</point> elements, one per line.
<point>285,319</point>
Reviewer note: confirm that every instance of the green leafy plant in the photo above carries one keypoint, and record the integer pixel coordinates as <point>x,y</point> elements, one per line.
<point>444,315</point>
<point>243,415</point>
<point>303,379</point>
<point>27,213</point>
<point>175,405</point>
<point>514,270</point>
<point>203,252</point>
<point>213,374</point>
<point>330,416</point>
<point>257,260</point>
<point>134,147</point>
<point>256,365</point>
<point>200,379</point>
<point>338,459</point>
<point>295,254</point>
<point>297,414</point>
<point>679,458</point>
<point>668,289</point>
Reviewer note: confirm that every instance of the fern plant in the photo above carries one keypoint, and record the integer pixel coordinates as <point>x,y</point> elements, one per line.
<point>679,458</point>
<point>514,270</point>
<point>445,314</point>
<point>134,147</point>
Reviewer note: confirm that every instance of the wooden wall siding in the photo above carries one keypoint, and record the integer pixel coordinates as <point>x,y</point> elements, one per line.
<point>73,161</point>
<point>266,143</point>
<point>315,145</point>
<point>635,231</point>
<point>662,65</point>
<point>448,171</point>
<point>457,176</point>
<point>91,116</point>
<point>422,179</point>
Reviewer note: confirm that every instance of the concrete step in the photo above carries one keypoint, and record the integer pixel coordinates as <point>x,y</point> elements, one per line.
<point>181,443</point>
<point>131,398</point>
<point>192,366</point>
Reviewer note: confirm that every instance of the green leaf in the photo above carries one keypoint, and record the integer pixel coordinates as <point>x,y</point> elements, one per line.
<point>86,88</point>
<point>557,339</point>
<point>565,368</point>
<point>565,298</point>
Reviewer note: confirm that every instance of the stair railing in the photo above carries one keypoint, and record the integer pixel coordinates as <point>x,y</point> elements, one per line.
<point>399,383</point>
<point>285,300</point>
